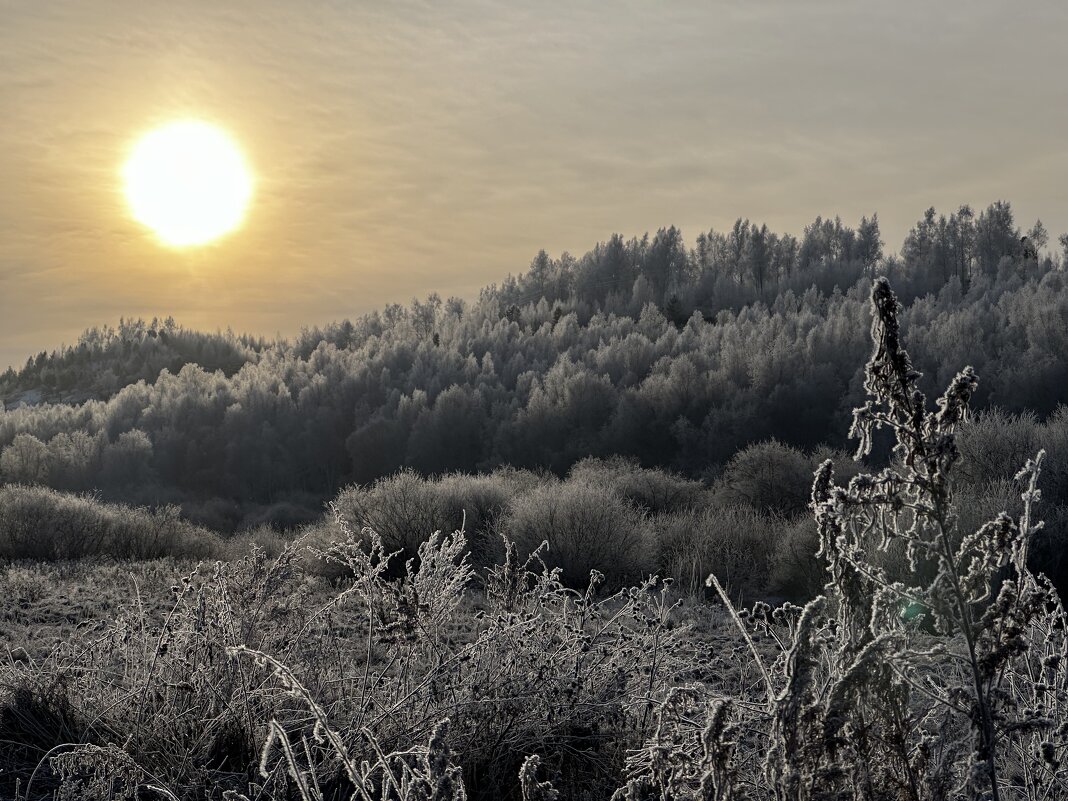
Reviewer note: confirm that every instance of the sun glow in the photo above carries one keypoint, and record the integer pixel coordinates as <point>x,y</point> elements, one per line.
<point>188,182</point>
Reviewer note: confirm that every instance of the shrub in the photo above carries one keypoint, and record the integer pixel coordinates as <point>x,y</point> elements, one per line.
<point>655,491</point>
<point>405,508</point>
<point>587,526</point>
<point>1054,436</point>
<point>476,503</point>
<point>768,476</point>
<point>736,543</point>
<point>272,541</point>
<point>993,445</point>
<point>45,525</point>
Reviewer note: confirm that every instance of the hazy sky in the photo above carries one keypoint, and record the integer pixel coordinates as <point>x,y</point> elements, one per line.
<point>402,147</point>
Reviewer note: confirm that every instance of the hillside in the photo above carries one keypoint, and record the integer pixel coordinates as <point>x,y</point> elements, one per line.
<point>104,360</point>
<point>676,357</point>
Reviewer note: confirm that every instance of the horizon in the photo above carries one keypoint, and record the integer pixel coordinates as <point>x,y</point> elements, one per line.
<point>443,152</point>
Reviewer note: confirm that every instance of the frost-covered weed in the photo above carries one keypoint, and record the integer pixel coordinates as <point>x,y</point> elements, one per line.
<point>946,680</point>
<point>364,678</point>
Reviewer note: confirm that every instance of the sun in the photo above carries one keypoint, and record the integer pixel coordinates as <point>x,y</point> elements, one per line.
<point>187,181</point>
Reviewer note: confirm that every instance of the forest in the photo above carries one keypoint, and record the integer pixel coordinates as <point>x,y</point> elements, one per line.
<point>676,357</point>
<point>660,523</point>
<point>647,386</point>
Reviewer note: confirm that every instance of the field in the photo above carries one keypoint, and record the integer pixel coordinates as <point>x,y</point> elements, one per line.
<point>516,662</point>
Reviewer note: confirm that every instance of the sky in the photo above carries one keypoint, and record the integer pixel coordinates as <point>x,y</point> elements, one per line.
<point>401,147</point>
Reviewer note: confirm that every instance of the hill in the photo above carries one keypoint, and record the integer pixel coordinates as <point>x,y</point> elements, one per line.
<point>104,360</point>
<point>676,357</point>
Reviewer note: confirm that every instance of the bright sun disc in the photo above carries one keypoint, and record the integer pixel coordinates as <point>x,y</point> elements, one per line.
<point>188,182</point>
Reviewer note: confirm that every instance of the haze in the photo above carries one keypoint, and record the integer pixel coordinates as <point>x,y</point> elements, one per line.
<point>405,148</point>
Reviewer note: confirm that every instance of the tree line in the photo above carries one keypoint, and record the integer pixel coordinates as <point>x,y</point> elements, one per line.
<point>675,356</point>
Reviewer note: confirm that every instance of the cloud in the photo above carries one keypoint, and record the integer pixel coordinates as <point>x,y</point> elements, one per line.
<point>415,146</point>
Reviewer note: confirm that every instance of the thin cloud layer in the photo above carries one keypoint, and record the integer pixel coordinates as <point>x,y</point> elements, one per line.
<point>408,147</point>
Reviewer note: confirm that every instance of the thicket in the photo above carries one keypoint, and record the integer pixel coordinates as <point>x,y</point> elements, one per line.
<point>677,356</point>
<point>749,524</point>
<point>948,680</point>
<point>43,525</point>
<point>612,516</point>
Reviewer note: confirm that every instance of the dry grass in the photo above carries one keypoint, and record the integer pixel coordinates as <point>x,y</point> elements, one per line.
<point>522,665</point>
